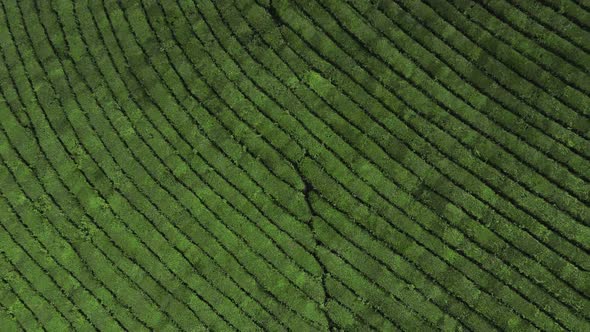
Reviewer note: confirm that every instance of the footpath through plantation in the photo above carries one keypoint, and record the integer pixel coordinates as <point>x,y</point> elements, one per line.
<point>304,165</point>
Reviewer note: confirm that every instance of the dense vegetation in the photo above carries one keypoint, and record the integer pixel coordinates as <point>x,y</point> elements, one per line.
<point>294,165</point>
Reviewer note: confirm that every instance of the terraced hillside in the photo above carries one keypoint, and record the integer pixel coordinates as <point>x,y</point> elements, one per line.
<point>294,165</point>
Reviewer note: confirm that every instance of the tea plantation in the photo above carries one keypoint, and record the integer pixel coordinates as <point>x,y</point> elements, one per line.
<point>303,165</point>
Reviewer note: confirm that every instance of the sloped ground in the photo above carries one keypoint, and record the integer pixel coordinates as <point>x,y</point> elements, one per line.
<point>295,165</point>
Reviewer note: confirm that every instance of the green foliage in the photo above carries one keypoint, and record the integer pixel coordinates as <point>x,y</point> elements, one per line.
<point>294,165</point>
